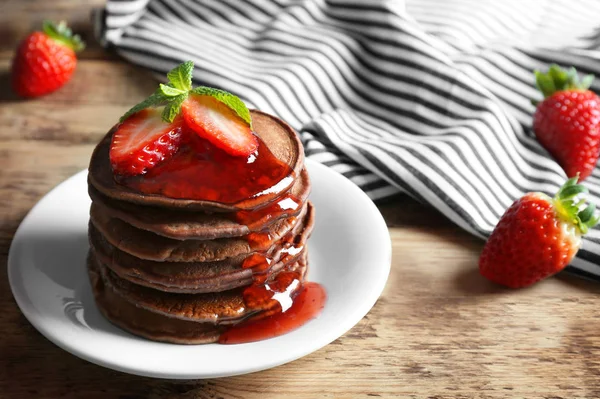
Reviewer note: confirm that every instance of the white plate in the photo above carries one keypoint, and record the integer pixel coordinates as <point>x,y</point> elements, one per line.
<point>350,255</point>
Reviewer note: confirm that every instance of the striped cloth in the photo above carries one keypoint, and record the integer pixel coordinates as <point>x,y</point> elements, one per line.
<point>426,97</point>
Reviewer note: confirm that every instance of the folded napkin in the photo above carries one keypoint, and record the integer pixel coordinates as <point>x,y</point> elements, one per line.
<point>426,97</point>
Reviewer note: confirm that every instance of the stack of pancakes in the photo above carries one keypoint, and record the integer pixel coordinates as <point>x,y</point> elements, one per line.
<point>177,270</point>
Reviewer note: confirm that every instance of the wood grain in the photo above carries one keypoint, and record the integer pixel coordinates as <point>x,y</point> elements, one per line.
<point>438,331</point>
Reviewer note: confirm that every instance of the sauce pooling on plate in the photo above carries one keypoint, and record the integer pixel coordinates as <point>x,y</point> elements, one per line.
<point>307,304</point>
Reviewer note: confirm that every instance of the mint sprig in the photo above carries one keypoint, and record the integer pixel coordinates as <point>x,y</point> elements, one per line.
<point>177,90</point>
<point>173,107</point>
<point>181,76</point>
<point>170,91</point>
<point>156,99</point>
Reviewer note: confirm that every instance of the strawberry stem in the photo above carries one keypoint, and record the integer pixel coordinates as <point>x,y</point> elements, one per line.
<point>62,34</point>
<point>569,209</point>
<point>558,79</point>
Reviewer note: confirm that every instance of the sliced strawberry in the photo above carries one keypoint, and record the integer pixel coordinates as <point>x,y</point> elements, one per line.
<point>142,141</point>
<point>219,124</point>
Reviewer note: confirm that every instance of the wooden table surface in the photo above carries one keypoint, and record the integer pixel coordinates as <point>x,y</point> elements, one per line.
<point>439,330</point>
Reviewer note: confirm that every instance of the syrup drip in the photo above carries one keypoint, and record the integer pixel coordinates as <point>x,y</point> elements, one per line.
<point>261,240</point>
<point>290,252</point>
<point>202,171</point>
<point>260,265</point>
<point>284,207</point>
<point>284,302</point>
<point>274,296</point>
<point>306,305</point>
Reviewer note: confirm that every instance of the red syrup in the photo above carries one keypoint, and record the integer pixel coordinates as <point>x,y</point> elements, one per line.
<point>306,305</point>
<point>202,171</point>
<point>286,302</point>
<point>283,207</point>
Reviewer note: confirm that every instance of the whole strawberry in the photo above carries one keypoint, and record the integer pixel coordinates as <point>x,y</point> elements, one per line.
<point>45,60</point>
<point>537,237</point>
<point>567,121</point>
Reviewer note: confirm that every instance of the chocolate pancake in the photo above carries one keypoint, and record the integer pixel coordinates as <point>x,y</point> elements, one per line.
<point>144,323</point>
<point>277,135</point>
<point>146,245</point>
<point>226,307</point>
<point>154,326</point>
<point>198,277</point>
<point>184,225</point>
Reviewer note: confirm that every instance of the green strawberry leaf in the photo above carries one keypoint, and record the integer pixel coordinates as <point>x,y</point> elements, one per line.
<point>587,213</point>
<point>586,82</point>
<point>232,101</point>
<point>173,107</point>
<point>157,98</point>
<point>558,79</point>
<point>62,33</point>
<point>558,76</point>
<point>567,206</point>
<point>181,76</point>
<point>571,191</point>
<point>593,221</point>
<point>544,83</point>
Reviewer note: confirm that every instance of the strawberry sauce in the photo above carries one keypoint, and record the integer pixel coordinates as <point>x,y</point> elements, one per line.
<point>288,301</point>
<point>201,171</point>
<point>306,305</point>
<point>284,207</point>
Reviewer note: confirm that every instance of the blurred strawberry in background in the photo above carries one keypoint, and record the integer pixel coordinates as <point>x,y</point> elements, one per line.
<point>45,60</point>
<point>567,121</point>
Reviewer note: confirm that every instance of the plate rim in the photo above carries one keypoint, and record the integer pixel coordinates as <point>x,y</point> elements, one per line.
<point>29,311</point>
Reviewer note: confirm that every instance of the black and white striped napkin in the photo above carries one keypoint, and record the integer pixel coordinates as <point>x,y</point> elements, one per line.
<point>426,97</point>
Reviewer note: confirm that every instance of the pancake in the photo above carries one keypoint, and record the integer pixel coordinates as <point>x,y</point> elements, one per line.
<point>146,245</point>
<point>147,324</point>
<point>226,307</point>
<point>198,277</point>
<point>182,270</point>
<point>183,225</point>
<point>277,135</point>
<point>144,323</point>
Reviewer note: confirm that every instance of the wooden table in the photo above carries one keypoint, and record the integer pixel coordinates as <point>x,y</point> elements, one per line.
<point>439,330</point>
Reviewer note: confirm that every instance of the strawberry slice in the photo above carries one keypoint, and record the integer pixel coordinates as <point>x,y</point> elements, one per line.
<point>219,124</point>
<point>142,141</point>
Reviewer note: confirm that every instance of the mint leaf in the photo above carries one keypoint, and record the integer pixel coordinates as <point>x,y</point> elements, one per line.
<point>155,99</point>
<point>170,91</point>
<point>232,101</point>
<point>181,76</point>
<point>176,91</point>
<point>173,107</point>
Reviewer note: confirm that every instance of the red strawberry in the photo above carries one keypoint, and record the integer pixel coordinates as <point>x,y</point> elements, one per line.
<point>216,122</point>
<point>45,60</point>
<point>142,141</point>
<point>537,237</point>
<point>567,121</point>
